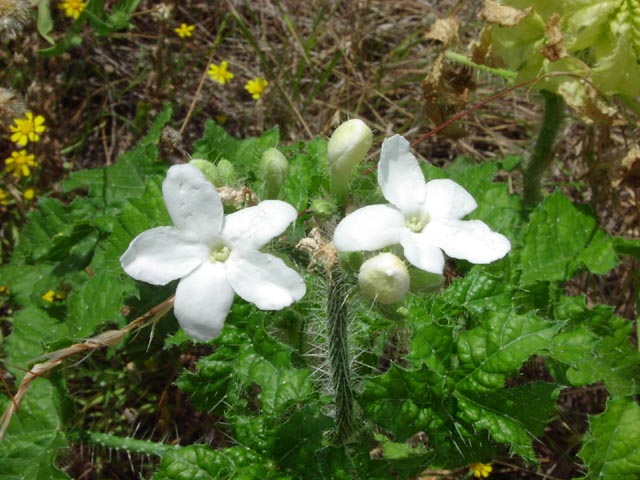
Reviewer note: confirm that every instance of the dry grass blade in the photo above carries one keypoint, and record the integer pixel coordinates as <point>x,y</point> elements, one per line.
<point>110,338</point>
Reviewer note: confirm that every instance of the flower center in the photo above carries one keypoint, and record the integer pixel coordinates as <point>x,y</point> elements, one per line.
<point>219,254</point>
<point>417,223</point>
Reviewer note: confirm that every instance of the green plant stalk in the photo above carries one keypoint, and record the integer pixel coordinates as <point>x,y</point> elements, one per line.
<point>127,443</point>
<point>339,360</point>
<point>500,72</point>
<point>543,150</point>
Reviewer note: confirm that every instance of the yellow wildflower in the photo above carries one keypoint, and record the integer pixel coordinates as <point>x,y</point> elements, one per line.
<point>481,470</point>
<point>256,86</point>
<point>4,197</point>
<point>4,290</point>
<point>29,194</point>
<point>27,129</point>
<point>49,296</point>
<point>19,162</point>
<point>184,30</point>
<point>221,118</point>
<point>72,8</point>
<point>219,73</point>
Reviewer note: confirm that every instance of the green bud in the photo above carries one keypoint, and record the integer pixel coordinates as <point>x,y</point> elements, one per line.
<point>347,147</point>
<point>322,209</point>
<point>209,169</point>
<point>425,281</point>
<point>274,168</point>
<point>384,278</point>
<point>227,173</point>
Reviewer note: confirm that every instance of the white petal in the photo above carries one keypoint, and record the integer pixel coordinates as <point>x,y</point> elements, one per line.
<point>253,227</point>
<point>421,253</point>
<point>472,240</point>
<point>203,300</point>
<point>369,228</point>
<point>446,199</point>
<point>264,280</point>
<point>400,177</point>
<point>192,202</point>
<point>163,254</point>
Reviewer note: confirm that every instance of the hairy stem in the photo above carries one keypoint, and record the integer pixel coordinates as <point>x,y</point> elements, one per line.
<point>126,443</point>
<point>339,355</point>
<point>543,150</point>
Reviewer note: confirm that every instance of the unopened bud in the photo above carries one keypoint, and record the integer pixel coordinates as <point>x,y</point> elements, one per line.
<point>347,147</point>
<point>274,168</point>
<point>322,209</point>
<point>384,278</point>
<point>227,173</point>
<point>209,169</point>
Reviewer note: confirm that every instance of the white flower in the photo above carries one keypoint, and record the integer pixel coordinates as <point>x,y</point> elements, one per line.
<point>213,255</point>
<point>424,218</point>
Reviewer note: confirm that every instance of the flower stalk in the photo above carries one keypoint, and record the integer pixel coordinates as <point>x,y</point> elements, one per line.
<point>340,363</point>
<point>543,150</point>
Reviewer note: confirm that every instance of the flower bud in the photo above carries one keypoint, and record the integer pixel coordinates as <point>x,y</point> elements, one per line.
<point>347,146</point>
<point>274,168</point>
<point>384,278</point>
<point>209,169</point>
<point>322,209</point>
<point>227,173</point>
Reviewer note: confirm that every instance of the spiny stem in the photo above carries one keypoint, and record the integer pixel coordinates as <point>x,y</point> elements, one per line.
<point>543,150</point>
<point>126,443</point>
<point>339,355</point>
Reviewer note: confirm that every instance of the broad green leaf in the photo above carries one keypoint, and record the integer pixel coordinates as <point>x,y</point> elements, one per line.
<point>32,443</point>
<point>561,238</point>
<point>499,347</point>
<point>596,346</point>
<point>33,329</point>
<point>402,401</point>
<point>199,462</point>
<point>109,187</point>
<point>611,448</point>
<point>482,289</point>
<point>299,438</point>
<point>97,300</point>
<point>280,387</point>
<point>515,416</point>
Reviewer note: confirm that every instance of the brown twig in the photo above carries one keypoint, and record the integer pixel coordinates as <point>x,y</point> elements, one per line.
<point>110,338</point>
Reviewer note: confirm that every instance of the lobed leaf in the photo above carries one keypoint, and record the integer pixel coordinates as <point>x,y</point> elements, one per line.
<point>612,446</point>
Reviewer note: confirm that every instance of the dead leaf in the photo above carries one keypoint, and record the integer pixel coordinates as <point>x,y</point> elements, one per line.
<point>445,31</point>
<point>627,169</point>
<point>502,15</point>
<point>554,50</point>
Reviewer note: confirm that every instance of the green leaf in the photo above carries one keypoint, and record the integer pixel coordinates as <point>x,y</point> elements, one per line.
<point>499,347</point>
<point>33,328</point>
<point>561,238</point>
<point>198,462</point>
<point>515,416</point>
<point>627,246</point>
<point>33,440</point>
<point>611,448</point>
<point>280,387</point>
<point>109,187</point>
<point>401,401</point>
<point>44,22</point>
<point>298,440</point>
<point>95,301</point>
<point>244,154</point>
